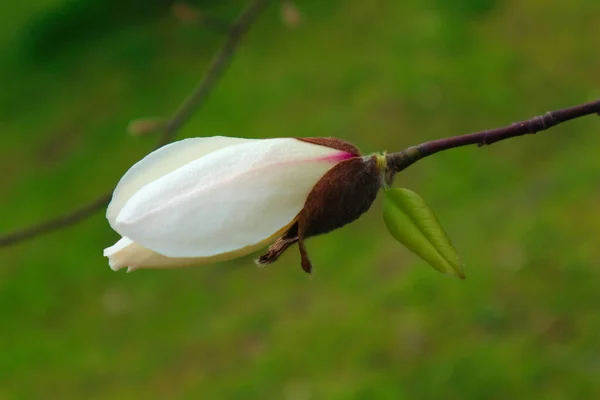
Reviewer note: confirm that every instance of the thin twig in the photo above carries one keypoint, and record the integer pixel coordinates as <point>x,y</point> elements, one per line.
<point>215,70</point>
<point>63,221</point>
<point>217,66</point>
<point>405,158</point>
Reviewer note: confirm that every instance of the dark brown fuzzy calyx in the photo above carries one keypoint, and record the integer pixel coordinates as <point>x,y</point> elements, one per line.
<point>333,143</point>
<point>342,195</point>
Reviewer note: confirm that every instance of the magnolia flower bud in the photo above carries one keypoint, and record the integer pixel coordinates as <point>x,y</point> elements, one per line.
<point>205,200</point>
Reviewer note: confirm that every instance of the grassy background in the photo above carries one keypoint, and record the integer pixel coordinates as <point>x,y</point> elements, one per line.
<point>374,321</point>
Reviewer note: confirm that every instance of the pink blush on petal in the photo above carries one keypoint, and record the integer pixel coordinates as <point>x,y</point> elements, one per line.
<point>337,157</point>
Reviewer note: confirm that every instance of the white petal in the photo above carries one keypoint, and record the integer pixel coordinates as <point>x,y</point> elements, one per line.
<point>232,198</point>
<point>127,253</point>
<point>159,163</point>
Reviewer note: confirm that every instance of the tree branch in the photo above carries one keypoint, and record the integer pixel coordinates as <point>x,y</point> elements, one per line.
<point>216,68</point>
<point>405,158</point>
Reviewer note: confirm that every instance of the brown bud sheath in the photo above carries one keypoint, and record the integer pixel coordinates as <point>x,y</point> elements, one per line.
<point>342,195</point>
<point>333,143</point>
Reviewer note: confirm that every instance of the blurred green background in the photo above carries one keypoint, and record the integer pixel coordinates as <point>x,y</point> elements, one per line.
<point>374,321</point>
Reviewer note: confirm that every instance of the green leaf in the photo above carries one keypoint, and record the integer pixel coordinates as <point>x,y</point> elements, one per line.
<point>413,223</point>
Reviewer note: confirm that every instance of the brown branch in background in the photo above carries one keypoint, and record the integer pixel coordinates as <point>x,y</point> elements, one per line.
<point>217,66</point>
<point>405,158</point>
<point>215,70</point>
<point>63,221</point>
